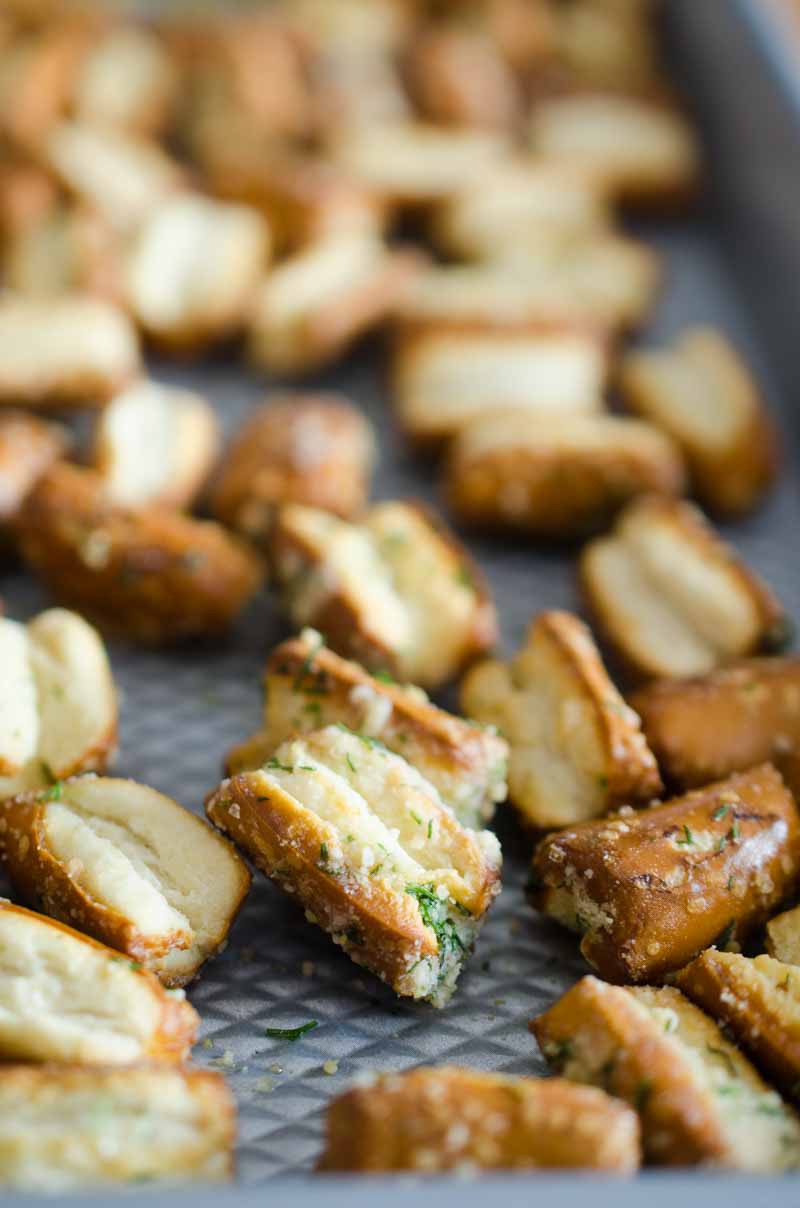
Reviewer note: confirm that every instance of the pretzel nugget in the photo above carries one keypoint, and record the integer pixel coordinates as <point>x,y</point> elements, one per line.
<point>704,728</point>
<point>414,163</point>
<point>194,270</point>
<point>28,447</point>
<point>576,748</point>
<point>70,351</point>
<point>396,591</point>
<point>315,449</point>
<point>367,846</point>
<point>307,686</point>
<point>702,393</point>
<point>67,998</point>
<point>700,1102</point>
<point>68,249</point>
<point>459,78</point>
<point>650,890</point>
<point>638,151</point>
<point>149,573</point>
<point>127,866</point>
<point>155,444</point>
<point>128,81</point>
<point>316,304</point>
<point>758,1002</point>
<point>455,1119</point>
<point>122,177</point>
<point>444,379</point>
<point>83,1126</point>
<point>672,597</point>
<point>556,477</point>
<point>58,705</point>
<point>521,196</point>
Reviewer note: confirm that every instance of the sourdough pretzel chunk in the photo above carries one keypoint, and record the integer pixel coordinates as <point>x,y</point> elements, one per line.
<point>65,997</point>
<point>314,305</point>
<point>672,597</point>
<point>556,476</point>
<point>70,351</point>
<point>68,1127</point>
<point>129,867</point>
<point>699,1100</point>
<point>445,379</point>
<point>314,449</point>
<point>307,686</point>
<point>28,447</point>
<point>650,890</point>
<point>703,728</point>
<point>639,151</point>
<point>367,846</point>
<point>150,573</point>
<point>194,270</point>
<point>758,1002</point>
<point>155,444</point>
<point>396,591</point>
<point>576,749</point>
<point>455,1119</point>
<point>701,392</point>
<point>58,707</point>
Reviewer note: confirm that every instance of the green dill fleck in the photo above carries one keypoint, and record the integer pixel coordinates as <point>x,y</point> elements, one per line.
<point>384,676</point>
<point>602,783</point>
<point>123,960</point>
<point>786,983</point>
<point>305,767</point>
<point>734,833</point>
<point>350,763</point>
<point>559,1052</point>
<point>292,1034</point>
<point>731,881</point>
<point>312,706</point>
<point>642,1094</point>
<point>725,1057</point>
<point>276,765</point>
<point>688,838</point>
<point>766,1108</point>
<point>725,936</point>
<point>430,828</point>
<point>376,868</point>
<point>462,909</point>
<point>433,912</point>
<point>416,817</point>
<point>48,772</point>
<point>349,838</point>
<point>323,852</point>
<point>300,678</point>
<point>465,577</point>
<point>54,792</point>
<point>720,812</point>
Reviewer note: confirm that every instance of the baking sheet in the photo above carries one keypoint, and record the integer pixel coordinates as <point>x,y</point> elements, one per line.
<point>181,710</point>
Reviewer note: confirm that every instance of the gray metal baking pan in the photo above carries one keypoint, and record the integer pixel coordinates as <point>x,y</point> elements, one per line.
<point>735,263</point>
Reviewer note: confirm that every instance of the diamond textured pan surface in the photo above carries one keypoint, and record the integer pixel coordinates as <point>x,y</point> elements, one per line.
<point>182,710</point>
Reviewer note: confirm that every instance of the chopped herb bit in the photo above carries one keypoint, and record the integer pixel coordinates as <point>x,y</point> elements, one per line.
<point>54,792</point>
<point>688,837</point>
<point>642,1095</point>
<point>292,1034</point>
<point>299,679</point>
<point>462,909</point>
<point>465,577</point>
<point>350,763</point>
<point>276,765</point>
<point>602,783</point>
<point>434,915</point>
<point>734,833</point>
<point>305,767</point>
<point>559,1053</point>
<point>323,852</point>
<point>384,676</point>
<point>770,1109</point>
<point>349,838</point>
<point>786,983</point>
<point>720,812</point>
<point>47,772</point>
<point>430,827</point>
<point>416,817</point>
<point>376,868</point>
<point>725,1057</point>
<point>312,706</point>
<point>730,883</point>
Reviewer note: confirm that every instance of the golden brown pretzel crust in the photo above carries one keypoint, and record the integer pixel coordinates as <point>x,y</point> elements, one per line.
<point>704,728</point>
<point>699,1100</point>
<point>178,1022</point>
<point>307,686</point>
<point>28,446</point>
<point>450,1118</point>
<point>651,890</point>
<point>152,573</point>
<point>758,1001</point>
